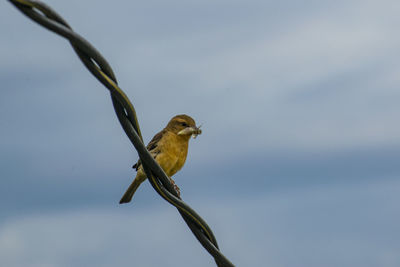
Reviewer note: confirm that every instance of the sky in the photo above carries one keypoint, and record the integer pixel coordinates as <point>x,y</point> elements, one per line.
<point>298,163</point>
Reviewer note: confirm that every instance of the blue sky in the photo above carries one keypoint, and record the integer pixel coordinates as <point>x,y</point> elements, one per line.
<point>297,164</point>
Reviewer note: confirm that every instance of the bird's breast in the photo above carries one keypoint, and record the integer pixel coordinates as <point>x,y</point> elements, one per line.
<point>173,155</point>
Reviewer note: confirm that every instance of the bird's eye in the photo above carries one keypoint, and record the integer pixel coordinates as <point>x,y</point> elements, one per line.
<point>184,124</point>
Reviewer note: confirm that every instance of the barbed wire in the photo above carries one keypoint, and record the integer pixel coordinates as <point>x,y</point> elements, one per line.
<point>99,67</point>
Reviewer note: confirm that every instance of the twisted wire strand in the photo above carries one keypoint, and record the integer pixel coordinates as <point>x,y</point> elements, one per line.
<point>99,67</point>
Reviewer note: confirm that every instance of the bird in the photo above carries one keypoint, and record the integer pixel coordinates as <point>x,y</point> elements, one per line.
<point>169,148</point>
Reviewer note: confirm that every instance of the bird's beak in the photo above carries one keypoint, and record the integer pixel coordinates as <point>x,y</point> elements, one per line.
<point>195,131</point>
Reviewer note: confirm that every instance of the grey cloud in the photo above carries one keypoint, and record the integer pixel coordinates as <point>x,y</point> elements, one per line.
<point>291,96</point>
<point>347,226</point>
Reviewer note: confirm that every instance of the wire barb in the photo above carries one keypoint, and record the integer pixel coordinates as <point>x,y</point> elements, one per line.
<point>99,67</point>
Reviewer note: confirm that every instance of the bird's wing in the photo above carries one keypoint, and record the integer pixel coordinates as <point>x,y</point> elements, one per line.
<point>152,147</point>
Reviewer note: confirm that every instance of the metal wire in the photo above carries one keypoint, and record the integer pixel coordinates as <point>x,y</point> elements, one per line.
<point>99,67</point>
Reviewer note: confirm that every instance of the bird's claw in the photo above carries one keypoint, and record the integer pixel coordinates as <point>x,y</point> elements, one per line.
<point>176,187</point>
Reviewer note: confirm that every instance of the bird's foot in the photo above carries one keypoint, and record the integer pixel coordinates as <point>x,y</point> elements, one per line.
<point>176,187</point>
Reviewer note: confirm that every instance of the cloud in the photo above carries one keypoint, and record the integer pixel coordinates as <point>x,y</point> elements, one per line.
<point>352,225</point>
<point>312,84</point>
<point>303,80</point>
<point>298,102</point>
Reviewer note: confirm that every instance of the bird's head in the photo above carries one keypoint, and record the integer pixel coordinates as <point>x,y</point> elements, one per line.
<point>184,126</point>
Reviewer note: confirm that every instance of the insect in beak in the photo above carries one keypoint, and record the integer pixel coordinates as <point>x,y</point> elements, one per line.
<point>193,131</point>
<point>196,132</point>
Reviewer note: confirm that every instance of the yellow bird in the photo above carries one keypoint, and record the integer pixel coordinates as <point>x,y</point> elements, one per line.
<point>169,148</point>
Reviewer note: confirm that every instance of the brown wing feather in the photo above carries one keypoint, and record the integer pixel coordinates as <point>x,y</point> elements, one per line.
<point>152,147</point>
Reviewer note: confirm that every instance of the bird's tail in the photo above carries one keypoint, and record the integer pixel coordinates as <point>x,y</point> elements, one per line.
<point>127,197</point>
